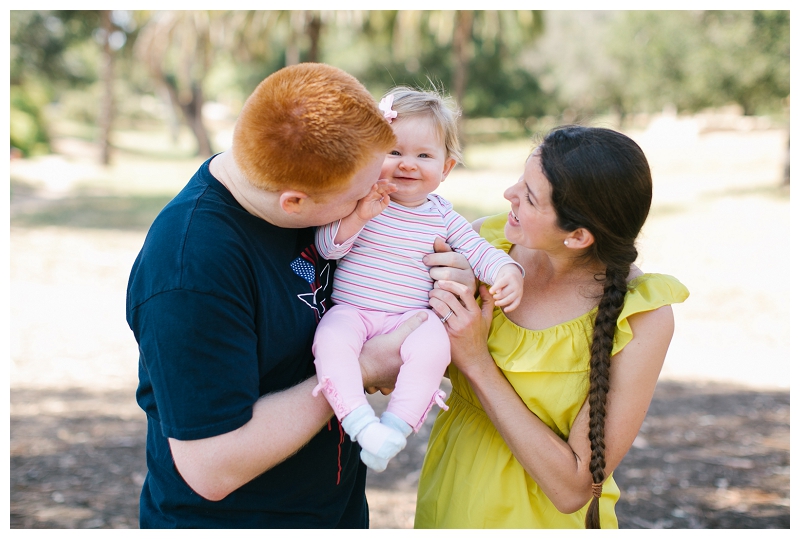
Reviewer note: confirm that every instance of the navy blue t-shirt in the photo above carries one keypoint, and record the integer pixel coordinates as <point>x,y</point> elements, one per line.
<point>224,306</point>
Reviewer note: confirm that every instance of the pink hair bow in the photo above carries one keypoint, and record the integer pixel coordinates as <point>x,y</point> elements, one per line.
<point>386,106</point>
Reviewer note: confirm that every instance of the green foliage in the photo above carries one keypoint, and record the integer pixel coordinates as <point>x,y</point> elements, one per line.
<point>417,51</point>
<point>42,45</point>
<point>517,64</point>
<point>27,126</point>
<point>696,59</point>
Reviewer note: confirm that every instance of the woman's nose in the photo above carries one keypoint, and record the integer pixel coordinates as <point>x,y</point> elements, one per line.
<point>508,194</point>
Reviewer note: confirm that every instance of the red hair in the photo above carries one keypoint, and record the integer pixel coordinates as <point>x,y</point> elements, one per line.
<point>308,127</point>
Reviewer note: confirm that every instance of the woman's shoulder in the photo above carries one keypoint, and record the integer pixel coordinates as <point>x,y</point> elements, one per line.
<point>655,287</point>
<point>492,229</point>
<point>647,293</point>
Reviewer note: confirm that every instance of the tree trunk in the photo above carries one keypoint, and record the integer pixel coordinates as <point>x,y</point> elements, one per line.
<point>192,115</point>
<point>193,111</point>
<point>462,38</point>
<point>107,105</point>
<point>786,164</point>
<point>314,29</point>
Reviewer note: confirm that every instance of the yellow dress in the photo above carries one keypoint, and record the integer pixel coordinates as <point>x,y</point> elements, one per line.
<point>469,478</point>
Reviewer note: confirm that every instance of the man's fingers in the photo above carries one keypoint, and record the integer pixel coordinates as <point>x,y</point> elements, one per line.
<point>405,329</point>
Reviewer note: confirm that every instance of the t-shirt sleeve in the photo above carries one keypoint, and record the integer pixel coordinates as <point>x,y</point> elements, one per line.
<point>199,354</point>
<point>325,240</point>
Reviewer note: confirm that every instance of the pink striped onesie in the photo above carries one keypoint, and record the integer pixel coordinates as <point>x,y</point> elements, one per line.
<point>379,283</point>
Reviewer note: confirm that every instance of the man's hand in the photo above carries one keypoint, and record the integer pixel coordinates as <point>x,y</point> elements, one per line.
<point>380,356</point>
<point>447,265</point>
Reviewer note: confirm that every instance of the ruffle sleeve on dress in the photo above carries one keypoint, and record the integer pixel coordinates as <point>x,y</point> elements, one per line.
<point>647,292</point>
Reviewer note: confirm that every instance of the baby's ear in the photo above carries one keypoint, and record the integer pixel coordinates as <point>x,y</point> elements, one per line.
<point>449,164</point>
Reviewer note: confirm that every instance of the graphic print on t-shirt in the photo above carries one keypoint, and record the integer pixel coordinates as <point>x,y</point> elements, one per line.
<point>305,266</point>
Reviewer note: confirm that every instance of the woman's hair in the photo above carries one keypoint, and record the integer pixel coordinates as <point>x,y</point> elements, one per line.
<point>309,127</point>
<point>442,110</point>
<point>600,181</point>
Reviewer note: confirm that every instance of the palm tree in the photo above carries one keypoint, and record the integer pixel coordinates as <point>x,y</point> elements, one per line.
<point>107,108</point>
<point>176,46</point>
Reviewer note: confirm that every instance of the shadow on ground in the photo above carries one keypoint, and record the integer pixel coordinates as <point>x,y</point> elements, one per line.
<point>709,456</point>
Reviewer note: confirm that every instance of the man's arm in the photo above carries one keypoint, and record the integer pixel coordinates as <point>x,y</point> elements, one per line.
<point>282,423</point>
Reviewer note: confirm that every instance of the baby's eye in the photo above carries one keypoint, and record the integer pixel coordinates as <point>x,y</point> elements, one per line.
<point>394,152</point>
<point>424,155</point>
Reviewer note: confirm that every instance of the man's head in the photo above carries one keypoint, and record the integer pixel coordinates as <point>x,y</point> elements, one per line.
<point>309,128</point>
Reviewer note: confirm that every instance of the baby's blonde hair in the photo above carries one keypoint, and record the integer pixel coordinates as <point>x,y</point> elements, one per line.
<point>442,109</point>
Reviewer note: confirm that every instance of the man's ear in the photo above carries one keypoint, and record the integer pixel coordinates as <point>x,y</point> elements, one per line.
<point>292,201</point>
<point>580,238</point>
<point>448,166</point>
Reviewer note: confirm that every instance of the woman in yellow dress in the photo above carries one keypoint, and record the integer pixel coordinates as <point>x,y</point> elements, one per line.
<point>541,416</point>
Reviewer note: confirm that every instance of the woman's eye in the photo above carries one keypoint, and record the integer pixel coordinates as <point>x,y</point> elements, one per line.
<point>528,198</point>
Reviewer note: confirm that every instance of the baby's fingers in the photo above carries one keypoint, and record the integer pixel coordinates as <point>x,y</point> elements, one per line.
<point>512,305</point>
<point>385,187</point>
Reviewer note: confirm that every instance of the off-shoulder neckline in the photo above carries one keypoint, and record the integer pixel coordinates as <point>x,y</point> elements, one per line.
<point>631,284</point>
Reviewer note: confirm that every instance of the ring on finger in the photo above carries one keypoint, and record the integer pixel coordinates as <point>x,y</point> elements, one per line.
<point>445,317</point>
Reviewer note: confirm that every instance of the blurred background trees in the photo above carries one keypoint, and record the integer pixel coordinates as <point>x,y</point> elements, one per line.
<point>126,67</point>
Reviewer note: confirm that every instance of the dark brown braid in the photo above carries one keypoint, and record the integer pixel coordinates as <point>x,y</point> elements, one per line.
<point>605,324</point>
<point>601,182</point>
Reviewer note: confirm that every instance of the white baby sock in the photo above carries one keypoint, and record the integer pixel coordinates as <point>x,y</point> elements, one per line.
<point>378,442</point>
<point>376,462</point>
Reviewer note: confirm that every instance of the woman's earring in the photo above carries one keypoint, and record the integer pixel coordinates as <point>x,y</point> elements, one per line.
<point>566,242</point>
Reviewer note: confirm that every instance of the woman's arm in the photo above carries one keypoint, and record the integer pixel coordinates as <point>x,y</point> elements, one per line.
<point>560,468</point>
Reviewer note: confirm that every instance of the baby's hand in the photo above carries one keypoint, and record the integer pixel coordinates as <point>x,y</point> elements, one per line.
<point>376,200</point>
<point>507,288</point>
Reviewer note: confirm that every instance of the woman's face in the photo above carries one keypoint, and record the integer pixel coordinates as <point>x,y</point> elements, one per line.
<point>532,219</point>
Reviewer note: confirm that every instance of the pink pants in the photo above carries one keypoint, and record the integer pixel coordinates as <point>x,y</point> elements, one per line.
<point>426,353</point>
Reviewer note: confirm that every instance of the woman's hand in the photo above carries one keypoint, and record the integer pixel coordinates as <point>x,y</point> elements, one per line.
<point>448,265</point>
<point>468,325</point>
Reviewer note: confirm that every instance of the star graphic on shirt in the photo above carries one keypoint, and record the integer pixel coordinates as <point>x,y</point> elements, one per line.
<point>310,298</point>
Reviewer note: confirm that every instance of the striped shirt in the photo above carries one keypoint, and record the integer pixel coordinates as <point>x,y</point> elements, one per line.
<point>383,268</point>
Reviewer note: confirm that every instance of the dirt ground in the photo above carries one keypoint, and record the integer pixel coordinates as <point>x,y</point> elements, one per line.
<point>709,456</point>
<point>713,452</point>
